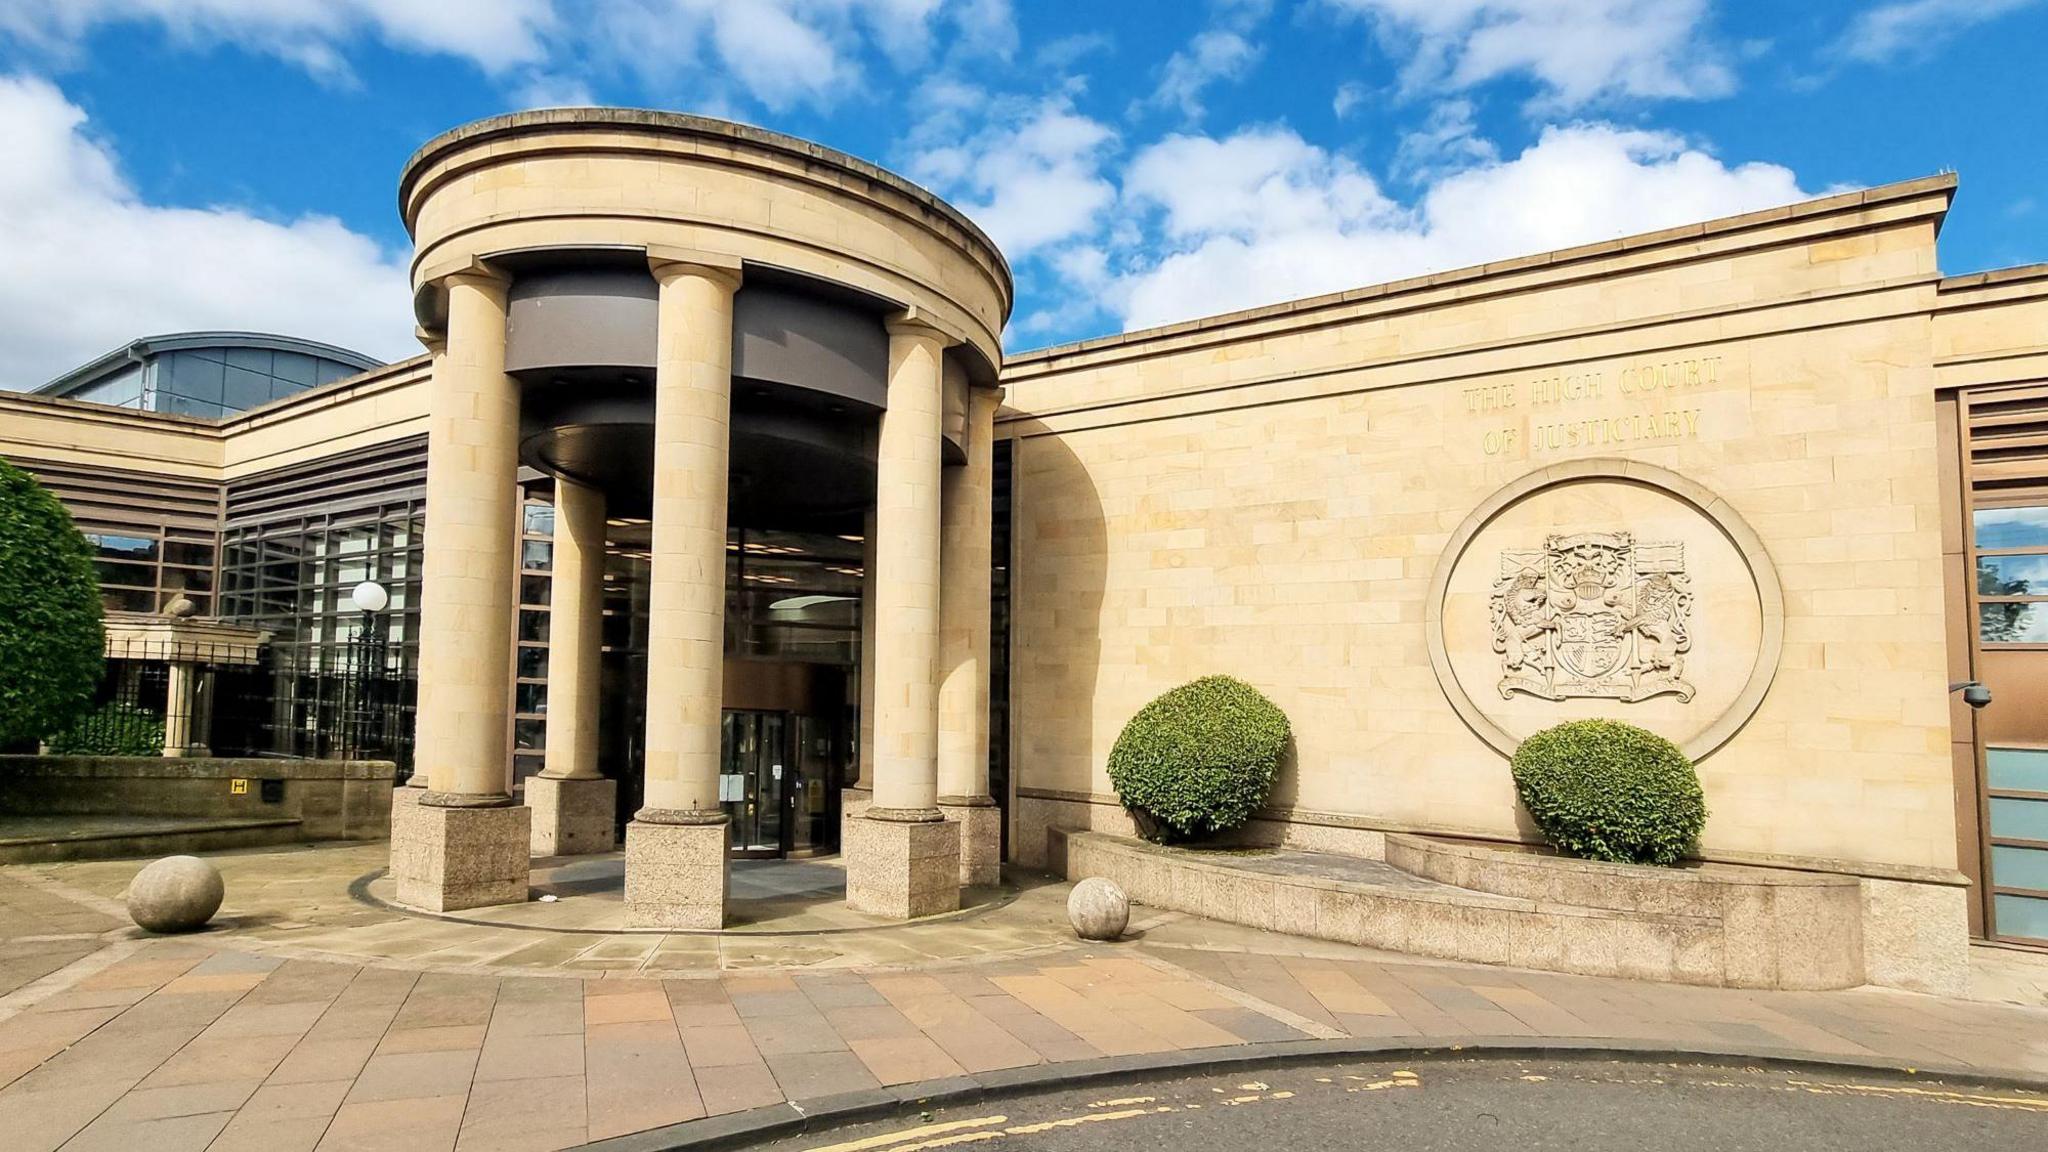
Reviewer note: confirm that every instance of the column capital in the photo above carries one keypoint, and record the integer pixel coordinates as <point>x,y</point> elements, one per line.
<point>668,263</point>
<point>467,269</point>
<point>919,322</point>
<point>430,295</point>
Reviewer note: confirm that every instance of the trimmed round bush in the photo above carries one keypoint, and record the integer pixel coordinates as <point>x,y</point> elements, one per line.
<point>1604,790</point>
<point>51,643</point>
<point>1198,760</point>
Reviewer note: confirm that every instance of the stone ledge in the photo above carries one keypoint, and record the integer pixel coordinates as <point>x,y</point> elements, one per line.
<point>195,768</point>
<point>1795,936</point>
<point>119,838</point>
<point>1687,889</point>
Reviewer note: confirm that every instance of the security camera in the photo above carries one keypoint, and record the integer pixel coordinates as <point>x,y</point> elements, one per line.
<point>1975,694</point>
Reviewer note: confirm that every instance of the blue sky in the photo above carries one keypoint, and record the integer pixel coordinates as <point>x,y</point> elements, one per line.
<point>232,163</point>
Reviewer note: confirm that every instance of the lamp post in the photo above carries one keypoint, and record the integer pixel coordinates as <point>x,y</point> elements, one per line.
<point>370,598</point>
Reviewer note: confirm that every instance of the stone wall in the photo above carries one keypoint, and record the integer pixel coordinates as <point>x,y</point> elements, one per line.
<point>1721,926</point>
<point>331,799</point>
<point>1271,495</point>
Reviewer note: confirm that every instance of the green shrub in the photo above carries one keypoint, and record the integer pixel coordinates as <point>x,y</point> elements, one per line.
<point>116,729</point>
<point>1199,759</point>
<point>51,643</point>
<point>1605,790</point>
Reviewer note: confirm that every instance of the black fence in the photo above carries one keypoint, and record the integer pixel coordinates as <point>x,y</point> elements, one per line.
<point>180,697</point>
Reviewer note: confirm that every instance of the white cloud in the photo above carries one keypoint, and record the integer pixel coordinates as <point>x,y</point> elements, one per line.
<point>1448,140</point>
<point>1350,95</point>
<point>548,90</point>
<point>1032,178</point>
<point>781,53</point>
<point>1214,55</point>
<point>494,34</point>
<point>1223,51</point>
<point>1916,27</point>
<point>1576,51</point>
<point>1264,216</point>
<point>90,264</point>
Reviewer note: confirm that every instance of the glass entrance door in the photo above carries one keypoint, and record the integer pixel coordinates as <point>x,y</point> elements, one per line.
<point>752,780</point>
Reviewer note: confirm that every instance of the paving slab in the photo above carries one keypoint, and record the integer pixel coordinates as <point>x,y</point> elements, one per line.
<point>243,1038</point>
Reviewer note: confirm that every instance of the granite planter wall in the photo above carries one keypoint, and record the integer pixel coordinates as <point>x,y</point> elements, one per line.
<point>1722,926</point>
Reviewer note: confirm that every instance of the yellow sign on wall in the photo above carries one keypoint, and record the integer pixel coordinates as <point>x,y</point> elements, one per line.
<point>238,787</point>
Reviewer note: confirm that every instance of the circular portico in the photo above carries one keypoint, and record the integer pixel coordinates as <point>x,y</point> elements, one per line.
<point>700,324</point>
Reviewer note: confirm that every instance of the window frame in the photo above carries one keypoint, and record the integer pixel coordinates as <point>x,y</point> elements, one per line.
<point>1978,599</point>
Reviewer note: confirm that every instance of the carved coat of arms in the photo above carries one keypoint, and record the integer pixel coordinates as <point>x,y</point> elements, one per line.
<point>1594,614</point>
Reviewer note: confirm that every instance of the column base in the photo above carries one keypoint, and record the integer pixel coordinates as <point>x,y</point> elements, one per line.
<point>572,817</point>
<point>981,842</point>
<point>676,874</point>
<point>852,803</point>
<point>448,859</point>
<point>902,870</point>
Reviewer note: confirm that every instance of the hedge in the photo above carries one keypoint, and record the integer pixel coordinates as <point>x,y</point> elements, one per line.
<point>1199,760</point>
<point>1604,790</point>
<point>116,729</point>
<point>51,639</point>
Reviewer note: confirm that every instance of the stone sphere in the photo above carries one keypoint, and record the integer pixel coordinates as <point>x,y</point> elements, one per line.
<point>175,894</point>
<point>1098,909</point>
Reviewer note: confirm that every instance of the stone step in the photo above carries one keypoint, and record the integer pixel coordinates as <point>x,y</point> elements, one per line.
<point>52,839</point>
<point>1374,904</point>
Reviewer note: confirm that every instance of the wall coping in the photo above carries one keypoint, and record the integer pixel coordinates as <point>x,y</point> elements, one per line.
<point>1865,869</point>
<point>1691,873</point>
<point>192,768</point>
<point>1447,895</point>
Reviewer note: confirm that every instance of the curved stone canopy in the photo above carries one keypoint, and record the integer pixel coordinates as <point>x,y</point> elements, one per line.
<point>678,185</point>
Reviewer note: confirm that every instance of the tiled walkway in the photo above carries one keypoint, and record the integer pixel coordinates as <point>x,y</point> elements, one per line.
<point>107,1041</point>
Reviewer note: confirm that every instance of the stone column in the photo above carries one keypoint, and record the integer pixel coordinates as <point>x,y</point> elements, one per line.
<point>676,844</point>
<point>178,708</point>
<point>573,804</point>
<point>465,844</point>
<point>854,800</point>
<point>904,857</point>
<point>966,518</point>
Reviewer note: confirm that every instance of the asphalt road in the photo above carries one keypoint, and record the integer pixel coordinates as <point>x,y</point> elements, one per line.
<point>1480,1105</point>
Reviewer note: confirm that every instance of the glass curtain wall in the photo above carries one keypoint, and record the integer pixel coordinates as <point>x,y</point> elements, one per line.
<point>143,569</point>
<point>339,683</point>
<point>2011,552</point>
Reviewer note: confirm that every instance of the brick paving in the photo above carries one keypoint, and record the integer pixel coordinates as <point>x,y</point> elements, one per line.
<point>109,1041</point>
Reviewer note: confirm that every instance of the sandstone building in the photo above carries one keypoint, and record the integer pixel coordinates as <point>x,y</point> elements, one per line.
<point>716,517</point>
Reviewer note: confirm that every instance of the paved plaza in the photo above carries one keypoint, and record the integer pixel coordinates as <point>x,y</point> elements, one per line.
<point>314,1017</point>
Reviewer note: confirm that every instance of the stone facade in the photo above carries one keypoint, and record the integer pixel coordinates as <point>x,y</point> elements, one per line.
<point>1270,494</point>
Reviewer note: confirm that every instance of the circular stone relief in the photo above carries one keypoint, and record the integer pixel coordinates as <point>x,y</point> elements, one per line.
<point>1605,589</point>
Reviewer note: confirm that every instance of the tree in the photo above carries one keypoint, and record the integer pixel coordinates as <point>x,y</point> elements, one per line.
<point>2001,622</point>
<point>52,642</point>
